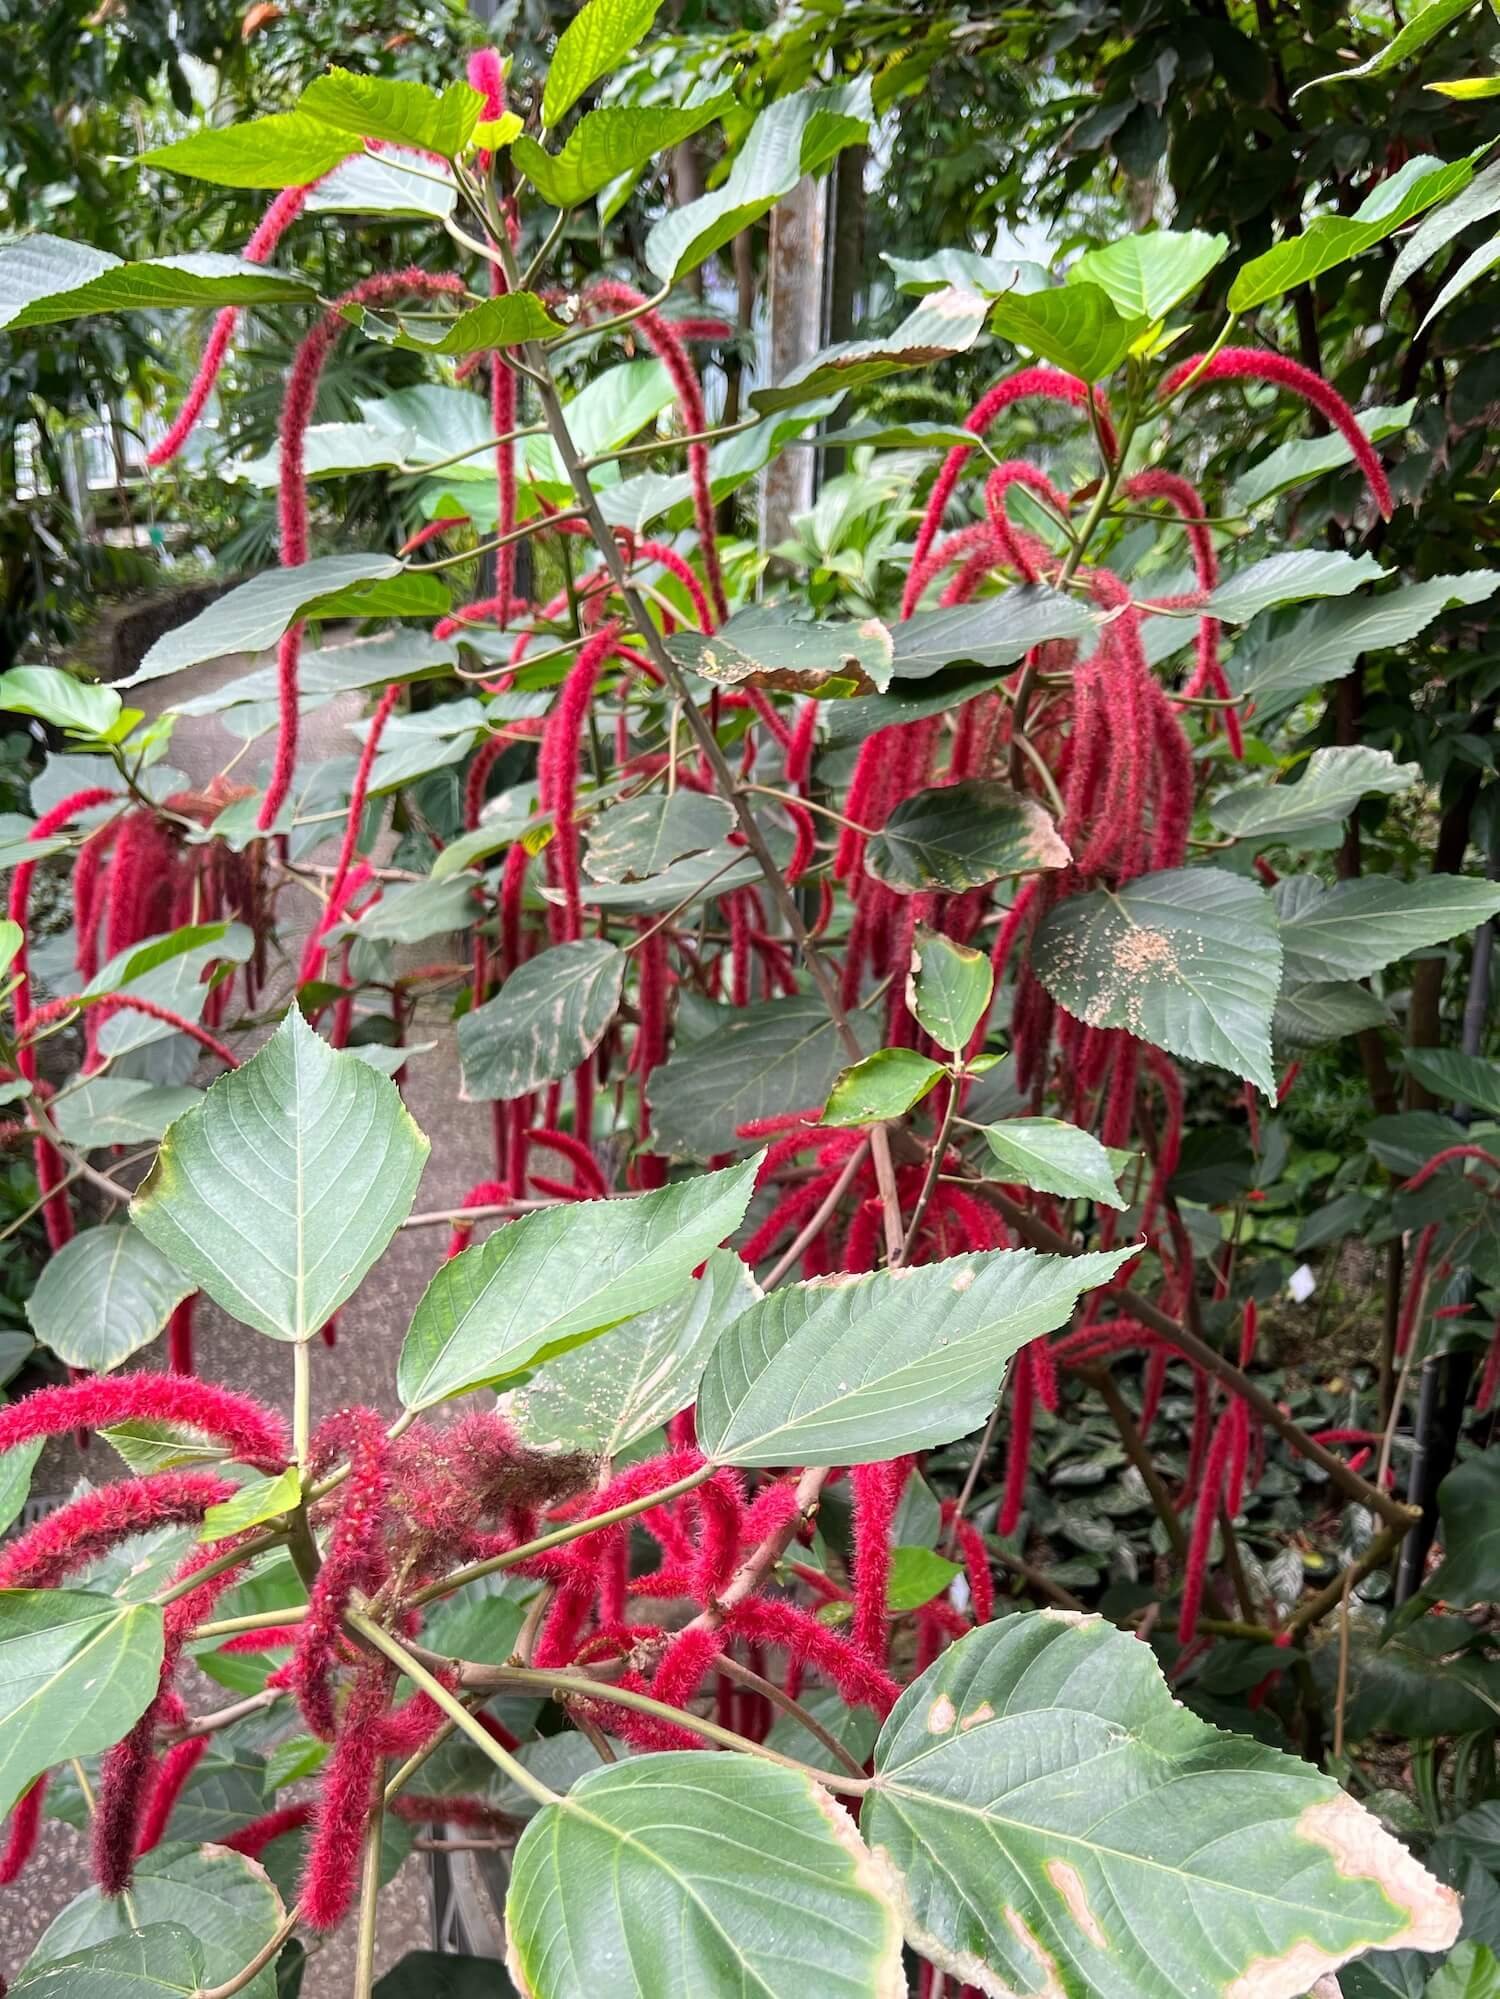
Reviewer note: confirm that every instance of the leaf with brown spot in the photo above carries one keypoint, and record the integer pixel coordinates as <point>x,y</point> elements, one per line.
<point>766,648</point>
<point>961,836</point>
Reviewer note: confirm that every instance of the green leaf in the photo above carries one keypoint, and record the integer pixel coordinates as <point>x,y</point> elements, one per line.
<point>1187,959</point>
<point>280,1190</point>
<point>1074,326</point>
<point>965,268</point>
<point>1428,20</point>
<point>119,1110</point>
<point>1053,1813</point>
<point>403,114</point>
<point>560,1276</point>
<point>1146,275</point>
<point>1332,783</point>
<point>1472,1972</point>
<point>609,1393</point>
<point>222,1898</point>
<point>288,149</point>
<point>644,836</point>
<point>946,322</point>
<point>769,1057</point>
<point>253,616</point>
<point>1324,1010</point>
<point>1462,1079</point>
<point>1055,1158</point>
<point>861,1369</point>
<point>162,1961</point>
<point>12,936</point>
<point>961,836</point>
<point>948,988</point>
<point>431,1974</point>
<point>262,1499</point>
<point>897,435</point>
<point>995,631</point>
<point>61,698</point>
<point>1469,1502</point>
<point>1289,579</point>
<point>76,1672</point>
<point>1360,927</point>
<point>1477,265</point>
<point>408,912</point>
<point>709,1877</point>
<point>394,183</point>
<point>854,1727</point>
<point>45,280</point>
<point>1329,240</point>
<point>16,1467</point>
<point>103,1296</point>
<point>916,1576</point>
<point>1480,199</point>
<point>1323,644</point>
<point>548,1016</point>
<point>885,1085</point>
<point>324,671</point>
<point>765,648</point>
<point>617,139</point>
<point>795,135</point>
<point>1308,457</point>
<point>176,981</point>
<point>599,36</point>
<point>507,321</point>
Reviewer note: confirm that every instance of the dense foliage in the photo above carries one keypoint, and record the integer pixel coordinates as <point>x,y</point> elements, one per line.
<point>1017,933</point>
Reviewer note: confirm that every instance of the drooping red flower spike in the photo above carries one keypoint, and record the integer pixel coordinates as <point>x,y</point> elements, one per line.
<point>557,772</point>
<point>247,1431</point>
<point>1205,1513</point>
<point>177,1766</point>
<point>1250,364</point>
<point>354,1557</point>
<point>25,1828</point>
<point>331,1871</point>
<point>69,1539</point>
<point>1017,550</point>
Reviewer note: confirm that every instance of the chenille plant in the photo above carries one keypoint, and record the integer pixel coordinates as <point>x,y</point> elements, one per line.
<point>921,931</point>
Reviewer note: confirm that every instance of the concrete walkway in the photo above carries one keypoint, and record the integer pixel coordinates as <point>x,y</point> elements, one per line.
<point>361,1368</point>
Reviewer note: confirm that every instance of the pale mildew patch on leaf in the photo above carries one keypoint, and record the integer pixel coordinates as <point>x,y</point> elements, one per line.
<point>1298,1970</point>
<point>1058,1616</point>
<point>1044,846</point>
<point>874,1875</point>
<point>1068,1882</point>
<point>962,1279</point>
<point>941,1715</point>
<point>1361,1846</point>
<point>1051,1986</point>
<point>976,1719</point>
<point>1328,1987</point>
<point>963,1966</point>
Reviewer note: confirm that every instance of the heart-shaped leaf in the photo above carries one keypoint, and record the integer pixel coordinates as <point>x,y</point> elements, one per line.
<point>550,1015</point>
<point>885,1085</point>
<point>948,988</point>
<point>1074,326</point>
<point>1146,275</point>
<point>104,1296</point>
<point>616,139</point>
<point>1054,1157</point>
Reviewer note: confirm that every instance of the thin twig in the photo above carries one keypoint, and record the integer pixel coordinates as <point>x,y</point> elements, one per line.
<point>812,1229</point>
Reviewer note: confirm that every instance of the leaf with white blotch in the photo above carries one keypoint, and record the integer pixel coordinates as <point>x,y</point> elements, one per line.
<point>262,1499</point>
<point>960,836</point>
<point>1054,1157</point>
<point>119,1110</point>
<point>1146,275</point>
<point>1307,457</point>
<point>104,1296</point>
<point>606,1395</point>
<point>1330,240</point>
<point>224,1899</point>
<point>994,631</point>
<point>76,1672</point>
<point>1289,578</point>
<point>560,1276</point>
<point>1074,326</point>
<point>1323,643</point>
<point>1462,1079</point>
<point>45,280</point>
<point>60,698</point>
<point>709,1877</point>
<point>161,1961</point>
<point>1054,1815</point>
<point>600,35</point>
<point>767,1058</point>
<point>761,648</point>
<point>1426,22</point>
<point>1325,1010</point>
<point>400,113</point>
<point>616,139</point>
<point>506,321</point>
<point>947,988</point>
<point>288,149</point>
<point>946,322</point>
<point>1187,959</point>
<point>860,1369</point>
<point>967,268</point>
<point>280,1190</point>
<point>795,135</point>
<point>644,836</point>
<point>254,615</point>
<point>1477,202</point>
<point>1360,927</point>
<point>884,1085</point>
<point>1331,784</point>
<point>548,1016</point>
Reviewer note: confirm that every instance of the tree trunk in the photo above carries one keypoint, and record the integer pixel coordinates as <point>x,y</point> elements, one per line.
<point>798,247</point>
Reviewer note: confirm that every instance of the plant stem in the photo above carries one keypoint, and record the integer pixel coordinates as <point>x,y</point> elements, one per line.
<point>573,1530</point>
<point>1140,1456</point>
<point>264,1956</point>
<point>811,1229</point>
<point>301,1401</point>
<point>778,1697</point>
<point>376,1635</point>
<point>934,1166</point>
<point>369,1903</point>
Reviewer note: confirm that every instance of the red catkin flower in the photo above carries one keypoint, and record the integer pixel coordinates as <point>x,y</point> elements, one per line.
<point>557,771</point>
<point>1205,1514</point>
<point>353,1558</point>
<point>1250,364</point>
<point>180,1336</point>
<point>877,1492</point>
<point>253,1839</point>
<point>67,1540</point>
<point>1416,1287</point>
<point>345,1803</point>
<point>1447,1157</point>
<point>248,1432</point>
<point>25,1828</point>
<point>177,1766</point>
